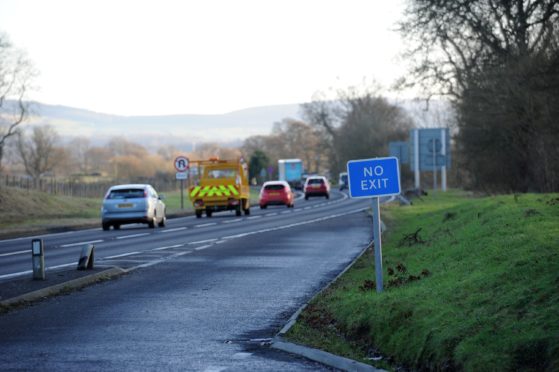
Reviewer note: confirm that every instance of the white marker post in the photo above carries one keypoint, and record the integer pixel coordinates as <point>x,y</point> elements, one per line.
<point>372,178</point>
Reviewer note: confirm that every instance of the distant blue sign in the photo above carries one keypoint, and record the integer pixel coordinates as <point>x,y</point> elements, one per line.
<point>433,153</point>
<point>373,177</point>
<point>400,149</point>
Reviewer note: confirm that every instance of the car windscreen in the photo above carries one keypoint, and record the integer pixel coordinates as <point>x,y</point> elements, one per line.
<point>315,181</point>
<point>126,194</point>
<point>274,187</point>
<point>221,173</point>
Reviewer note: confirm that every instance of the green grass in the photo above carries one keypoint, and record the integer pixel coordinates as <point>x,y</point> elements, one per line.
<point>477,289</point>
<point>23,211</point>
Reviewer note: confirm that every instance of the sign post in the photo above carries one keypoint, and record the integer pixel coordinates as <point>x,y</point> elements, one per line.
<point>181,165</point>
<point>373,178</point>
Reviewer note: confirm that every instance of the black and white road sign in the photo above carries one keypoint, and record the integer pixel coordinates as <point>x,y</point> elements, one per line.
<point>181,163</point>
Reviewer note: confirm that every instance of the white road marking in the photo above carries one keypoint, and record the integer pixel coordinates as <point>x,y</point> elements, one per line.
<point>175,229</point>
<point>65,265</point>
<point>253,217</point>
<point>241,355</point>
<point>202,247</point>
<point>132,236</point>
<point>81,243</point>
<point>271,214</point>
<point>169,247</point>
<point>152,263</point>
<point>206,224</point>
<point>202,241</point>
<point>14,253</point>
<point>121,255</point>
<point>285,212</point>
<point>215,369</point>
<point>233,221</point>
<point>8,276</point>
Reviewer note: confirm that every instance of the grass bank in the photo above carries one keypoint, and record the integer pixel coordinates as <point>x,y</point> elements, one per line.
<point>29,212</point>
<point>470,284</point>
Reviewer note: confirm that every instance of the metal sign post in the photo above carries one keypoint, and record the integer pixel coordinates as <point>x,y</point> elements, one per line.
<point>182,164</point>
<point>378,244</point>
<point>372,178</point>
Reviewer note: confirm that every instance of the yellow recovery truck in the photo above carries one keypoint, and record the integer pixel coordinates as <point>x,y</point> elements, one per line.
<point>221,185</point>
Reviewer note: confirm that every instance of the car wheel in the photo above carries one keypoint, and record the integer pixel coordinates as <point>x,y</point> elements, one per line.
<point>198,214</point>
<point>247,211</point>
<point>151,223</point>
<point>263,207</point>
<point>306,197</point>
<point>163,221</point>
<point>327,196</point>
<point>106,226</point>
<point>208,212</point>
<point>238,210</point>
<point>116,226</point>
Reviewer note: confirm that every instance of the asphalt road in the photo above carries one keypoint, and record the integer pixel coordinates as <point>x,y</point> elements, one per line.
<point>206,297</point>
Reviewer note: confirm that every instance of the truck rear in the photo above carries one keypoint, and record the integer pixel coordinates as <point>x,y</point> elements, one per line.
<point>221,185</point>
<point>291,171</point>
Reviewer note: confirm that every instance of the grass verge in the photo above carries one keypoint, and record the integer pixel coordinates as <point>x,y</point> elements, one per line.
<point>470,284</point>
<point>28,211</point>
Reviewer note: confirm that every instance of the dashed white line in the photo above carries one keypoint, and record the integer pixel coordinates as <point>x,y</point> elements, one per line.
<point>169,247</point>
<point>253,217</point>
<point>132,236</point>
<point>202,241</point>
<point>271,214</point>
<point>81,243</point>
<point>121,255</point>
<point>202,247</point>
<point>175,229</point>
<point>206,224</point>
<point>14,253</point>
<point>233,221</point>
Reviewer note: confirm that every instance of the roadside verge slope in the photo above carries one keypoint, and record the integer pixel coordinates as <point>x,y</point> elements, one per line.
<point>470,284</point>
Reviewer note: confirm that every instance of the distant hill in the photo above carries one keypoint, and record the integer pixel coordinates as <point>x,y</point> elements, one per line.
<point>178,130</point>
<point>183,131</point>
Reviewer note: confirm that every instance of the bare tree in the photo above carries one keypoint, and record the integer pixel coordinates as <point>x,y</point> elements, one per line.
<point>16,75</point>
<point>39,152</point>
<point>498,61</point>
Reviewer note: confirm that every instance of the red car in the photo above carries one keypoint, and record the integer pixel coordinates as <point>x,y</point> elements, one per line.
<point>317,186</point>
<point>276,193</point>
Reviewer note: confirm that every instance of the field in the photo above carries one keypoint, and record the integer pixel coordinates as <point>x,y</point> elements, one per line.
<point>470,284</point>
<point>30,212</point>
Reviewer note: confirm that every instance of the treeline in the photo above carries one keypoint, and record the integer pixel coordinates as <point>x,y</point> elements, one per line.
<point>498,61</point>
<point>39,153</point>
<point>354,125</point>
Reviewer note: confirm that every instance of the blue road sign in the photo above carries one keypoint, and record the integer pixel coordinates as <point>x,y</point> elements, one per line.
<point>400,150</point>
<point>430,149</point>
<point>369,178</point>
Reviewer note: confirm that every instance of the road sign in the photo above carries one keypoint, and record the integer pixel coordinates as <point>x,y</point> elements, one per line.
<point>182,175</point>
<point>369,178</point>
<point>400,149</point>
<point>182,163</point>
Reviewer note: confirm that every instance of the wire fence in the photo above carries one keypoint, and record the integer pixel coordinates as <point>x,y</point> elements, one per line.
<point>78,188</point>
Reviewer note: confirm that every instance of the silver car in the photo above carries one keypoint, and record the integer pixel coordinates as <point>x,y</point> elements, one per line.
<point>125,204</point>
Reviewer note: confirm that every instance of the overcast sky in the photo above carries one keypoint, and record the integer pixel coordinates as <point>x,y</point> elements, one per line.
<point>201,57</point>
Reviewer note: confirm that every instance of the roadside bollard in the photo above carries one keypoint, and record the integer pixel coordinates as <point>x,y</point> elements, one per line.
<point>87,257</point>
<point>38,255</point>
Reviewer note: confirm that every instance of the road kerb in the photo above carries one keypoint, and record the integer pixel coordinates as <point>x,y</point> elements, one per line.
<point>323,357</point>
<point>58,288</point>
